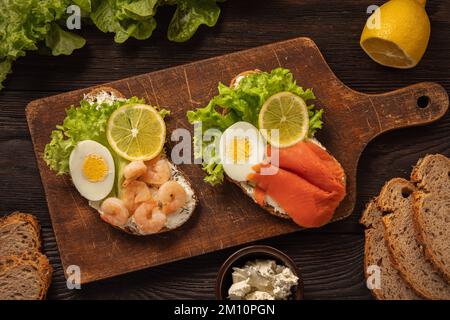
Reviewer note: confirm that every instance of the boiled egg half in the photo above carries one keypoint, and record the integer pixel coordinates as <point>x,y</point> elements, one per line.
<point>92,170</point>
<point>241,147</point>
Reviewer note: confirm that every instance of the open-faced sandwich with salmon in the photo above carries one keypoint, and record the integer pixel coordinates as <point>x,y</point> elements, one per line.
<point>113,149</point>
<point>266,146</point>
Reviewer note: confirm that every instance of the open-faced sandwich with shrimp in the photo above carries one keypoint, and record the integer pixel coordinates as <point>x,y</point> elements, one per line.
<point>113,149</point>
<point>267,146</point>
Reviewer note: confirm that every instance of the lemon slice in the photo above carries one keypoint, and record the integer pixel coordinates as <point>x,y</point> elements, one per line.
<point>397,34</point>
<point>136,132</point>
<point>288,113</point>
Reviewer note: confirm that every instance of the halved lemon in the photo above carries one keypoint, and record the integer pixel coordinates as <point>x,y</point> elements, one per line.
<point>397,34</point>
<point>136,132</point>
<point>287,113</point>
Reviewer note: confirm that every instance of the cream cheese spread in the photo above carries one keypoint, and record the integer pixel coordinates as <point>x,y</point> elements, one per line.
<point>262,280</point>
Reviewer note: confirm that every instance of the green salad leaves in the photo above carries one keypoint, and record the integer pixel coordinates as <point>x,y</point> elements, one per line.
<point>27,25</point>
<point>136,18</point>
<point>190,14</point>
<point>24,24</point>
<point>88,121</point>
<point>125,18</point>
<point>84,122</point>
<point>244,103</point>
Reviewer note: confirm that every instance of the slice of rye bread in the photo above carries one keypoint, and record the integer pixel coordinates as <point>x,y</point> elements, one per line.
<point>25,277</point>
<point>270,205</point>
<point>247,188</point>
<point>406,253</point>
<point>175,220</point>
<point>99,94</point>
<point>432,209</point>
<point>19,233</point>
<point>376,252</point>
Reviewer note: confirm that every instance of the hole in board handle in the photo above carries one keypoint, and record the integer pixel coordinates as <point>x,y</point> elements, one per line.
<point>406,192</point>
<point>423,102</point>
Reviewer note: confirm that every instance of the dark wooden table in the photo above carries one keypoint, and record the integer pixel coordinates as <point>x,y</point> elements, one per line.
<point>330,258</point>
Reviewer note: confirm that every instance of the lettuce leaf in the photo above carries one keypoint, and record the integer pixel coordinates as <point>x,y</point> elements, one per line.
<point>189,15</point>
<point>27,24</point>
<point>23,24</point>
<point>141,8</point>
<point>84,5</point>
<point>125,18</point>
<point>5,68</point>
<point>244,104</point>
<point>62,42</point>
<point>84,122</point>
<point>135,18</point>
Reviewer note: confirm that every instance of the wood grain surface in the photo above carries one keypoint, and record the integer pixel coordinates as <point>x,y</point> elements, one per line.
<point>351,120</point>
<point>330,258</point>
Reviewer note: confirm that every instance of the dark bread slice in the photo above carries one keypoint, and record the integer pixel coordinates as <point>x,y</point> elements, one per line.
<point>19,232</point>
<point>94,93</point>
<point>25,273</point>
<point>406,253</point>
<point>175,220</point>
<point>392,285</point>
<point>269,207</point>
<point>25,277</point>
<point>248,190</point>
<point>432,209</point>
<point>246,187</point>
<point>235,81</point>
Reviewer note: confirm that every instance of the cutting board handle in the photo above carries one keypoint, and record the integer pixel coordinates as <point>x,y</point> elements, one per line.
<point>418,104</point>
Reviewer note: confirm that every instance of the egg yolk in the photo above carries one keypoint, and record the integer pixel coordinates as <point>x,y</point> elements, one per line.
<point>95,168</point>
<point>239,150</point>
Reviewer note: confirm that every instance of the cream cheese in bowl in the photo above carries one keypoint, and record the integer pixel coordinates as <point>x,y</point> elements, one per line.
<point>262,280</point>
<point>259,273</point>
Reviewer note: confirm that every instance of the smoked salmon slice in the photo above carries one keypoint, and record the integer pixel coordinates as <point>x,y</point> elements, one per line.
<point>309,183</point>
<point>312,163</point>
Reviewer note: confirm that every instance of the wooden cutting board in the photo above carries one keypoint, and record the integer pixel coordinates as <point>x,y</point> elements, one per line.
<point>224,217</point>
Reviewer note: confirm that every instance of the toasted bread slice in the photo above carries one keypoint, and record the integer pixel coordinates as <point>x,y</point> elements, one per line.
<point>25,277</point>
<point>103,95</point>
<point>432,209</point>
<point>235,81</point>
<point>174,220</point>
<point>396,199</point>
<point>270,205</point>
<point>25,273</point>
<point>376,253</point>
<point>19,233</point>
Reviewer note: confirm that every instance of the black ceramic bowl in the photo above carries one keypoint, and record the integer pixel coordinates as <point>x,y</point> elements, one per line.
<point>239,258</point>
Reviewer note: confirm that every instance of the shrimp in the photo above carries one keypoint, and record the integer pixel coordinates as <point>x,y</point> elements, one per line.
<point>135,193</point>
<point>149,218</point>
<point>133,171</point>
<point>158,172</point>
<point>114,212</point>
<point>172,196</point>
